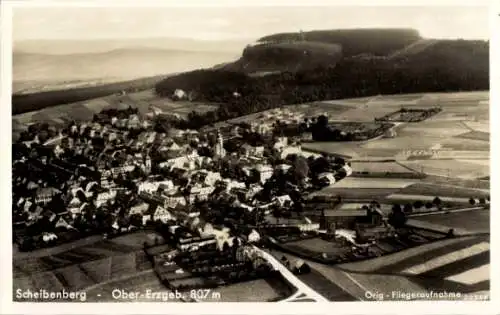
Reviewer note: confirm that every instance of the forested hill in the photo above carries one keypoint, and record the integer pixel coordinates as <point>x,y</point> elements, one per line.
<point>308,50</point>
<point>378,42</point>
<point>442,66</point>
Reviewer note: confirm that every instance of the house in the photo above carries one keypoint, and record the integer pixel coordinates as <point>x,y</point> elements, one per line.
<point>206,229</point>
<point>343,219</point>
<point>283,167</point>
<point>253,237</point>
<point>195,243</point>
<point>249,150</point>
<point>238,204</point>
<point>91,186</point>
<point>116,171</point>
<point>308,227</point>
<point>36,214</point>
<point>133,122</point>
<point>49,237</point>
<point>183,162</point>
<point>265,172</point>
<point>373,233</point>
<point>230,184</point>
<point>290,150</point>
<point>281,143</point>
<point>161,214</point>
<point>139,209</point>
<point>103,197</point>
<point>152,187</point>
<point>44,195</point>
<point>201,192</point>
<point>58,150</point>
<point>211,178</point>
<point>174,201</point>
<point>327,178</point>
<point>62,223</point>
<point>347,169</point>
<point>253,190</point>
<point>179,94</point>
<point>146,218</point>
<point>283,201</point>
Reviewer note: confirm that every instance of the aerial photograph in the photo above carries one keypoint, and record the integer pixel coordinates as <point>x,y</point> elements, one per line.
<point>250,154</point>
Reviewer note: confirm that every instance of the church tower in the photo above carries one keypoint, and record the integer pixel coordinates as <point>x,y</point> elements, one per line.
<point>219,146</point>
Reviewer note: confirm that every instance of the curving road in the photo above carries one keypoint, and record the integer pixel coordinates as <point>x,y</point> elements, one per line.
<point>302,288</point>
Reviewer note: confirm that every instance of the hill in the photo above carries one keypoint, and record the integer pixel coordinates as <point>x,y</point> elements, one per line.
<point>286,56</point>
<point>22,103</point>
<point>122,64</point>
<point>378,42</point>
<point>69,47</point>
<point>443,66</point>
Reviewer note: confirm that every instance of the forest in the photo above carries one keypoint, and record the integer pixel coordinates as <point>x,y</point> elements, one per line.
<point>447,66</point>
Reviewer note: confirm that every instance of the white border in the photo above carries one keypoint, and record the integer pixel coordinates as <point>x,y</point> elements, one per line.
<point>7,307</point>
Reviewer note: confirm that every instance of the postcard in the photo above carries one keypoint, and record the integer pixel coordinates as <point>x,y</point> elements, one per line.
<point>165,155</point>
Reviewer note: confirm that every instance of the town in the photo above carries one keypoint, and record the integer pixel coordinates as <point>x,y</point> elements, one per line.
<point>214,198</point>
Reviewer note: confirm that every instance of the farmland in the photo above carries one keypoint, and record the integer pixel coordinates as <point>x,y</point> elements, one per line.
<point>388,183</point>
<point>410,115</point>
<point>84,110</point>
<point>260,290</point>
<point>379,167</point>
<point>429,189</point>
<point>459,132</point>
<point>474,221</point>
<point>84,265</point>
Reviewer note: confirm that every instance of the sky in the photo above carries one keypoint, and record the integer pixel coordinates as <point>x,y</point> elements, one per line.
<point>86,23</point>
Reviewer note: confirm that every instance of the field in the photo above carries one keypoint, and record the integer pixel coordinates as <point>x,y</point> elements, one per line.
<point>85,110</point>
<point>317,245</point>
<point>357,194</point>
<point>260,290</point>
<point>459,132</point>
<point>474,221</point>
<point>476,135</point>
<point>87,266</point>
<point>409,116</point>
<point>387,183</point>
<point>428,189</point>
<point>379,167</point>
<point>325,287</point>
<point>450,168</point>
<point>388,273</point>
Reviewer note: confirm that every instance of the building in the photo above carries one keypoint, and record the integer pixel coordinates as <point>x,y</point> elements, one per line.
<point>283,201</point>
<point>253,237</point>
<point>327,178</point>
<point>174,201</point>
<point>219,146</point>
<point>45,195</point>
<point>265,172</point>
<point>179,94</point>
<point>308,227</point>
<point>162,214</point>
<point>281,143</point>
<point>152,187</point>
<point>195,243</point>
<point>200,193</point>
<point>133,122</point>
<point>290,150</point>
<point>373,233</point>
<point>139,209</point>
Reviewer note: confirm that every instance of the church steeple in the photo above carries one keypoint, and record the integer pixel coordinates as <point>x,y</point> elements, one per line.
<point>219,146</point>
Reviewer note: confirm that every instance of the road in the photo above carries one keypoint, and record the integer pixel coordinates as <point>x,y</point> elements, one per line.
<point>453,265</point>
<point>302,288</point>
